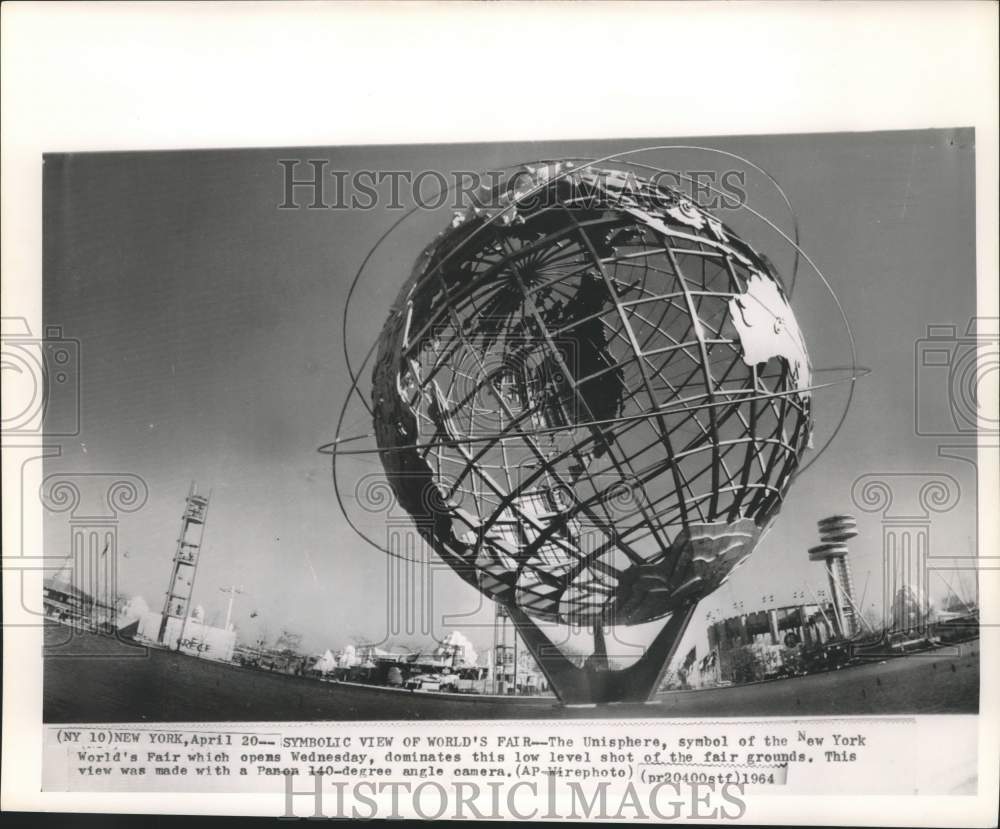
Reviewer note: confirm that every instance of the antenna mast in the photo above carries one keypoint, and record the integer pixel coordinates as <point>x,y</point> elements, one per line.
<point>185,567</point>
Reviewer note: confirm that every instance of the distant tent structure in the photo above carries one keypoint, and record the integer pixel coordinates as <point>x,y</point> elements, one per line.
<point>129,630</point>
<point>326,663</point>
<point>457,648</point>
<point>347,658</point>
<point>288,641</point>
<point>134,609</point>
<point>911,609</point>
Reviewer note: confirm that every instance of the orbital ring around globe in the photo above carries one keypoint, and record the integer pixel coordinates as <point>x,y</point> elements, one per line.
<point>853,372</point>
<point>334,447</point>
<point>578,560</point>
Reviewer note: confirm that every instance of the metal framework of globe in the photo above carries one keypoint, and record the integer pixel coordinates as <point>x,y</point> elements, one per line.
<point>591,397</point>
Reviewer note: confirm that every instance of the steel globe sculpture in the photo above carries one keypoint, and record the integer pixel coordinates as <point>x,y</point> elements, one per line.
<point>591,397</point>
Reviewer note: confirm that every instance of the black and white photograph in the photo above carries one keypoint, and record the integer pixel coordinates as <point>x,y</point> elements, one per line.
<point>416,433</point>
<point>501,411</point>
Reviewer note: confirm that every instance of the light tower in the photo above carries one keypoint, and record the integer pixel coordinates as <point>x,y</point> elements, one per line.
<point>175,606</point>
<point>233,592</point>
<point>498,668</point>
<point>834,532</point>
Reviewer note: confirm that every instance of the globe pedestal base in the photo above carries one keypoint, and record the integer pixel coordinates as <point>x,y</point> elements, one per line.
<point>595,682</point>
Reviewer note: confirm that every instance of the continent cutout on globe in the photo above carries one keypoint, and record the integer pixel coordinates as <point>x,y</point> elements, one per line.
<point>767,328</point>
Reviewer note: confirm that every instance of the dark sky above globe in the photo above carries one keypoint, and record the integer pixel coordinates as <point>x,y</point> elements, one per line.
<point>210,329</point>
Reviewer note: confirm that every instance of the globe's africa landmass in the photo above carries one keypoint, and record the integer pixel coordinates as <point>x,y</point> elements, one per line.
<point>591,396</point>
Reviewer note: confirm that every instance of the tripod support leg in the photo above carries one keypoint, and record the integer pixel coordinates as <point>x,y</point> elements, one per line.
<point>595,682</point>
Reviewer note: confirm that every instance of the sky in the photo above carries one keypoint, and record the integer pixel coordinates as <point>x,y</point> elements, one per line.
<point>210,329</point>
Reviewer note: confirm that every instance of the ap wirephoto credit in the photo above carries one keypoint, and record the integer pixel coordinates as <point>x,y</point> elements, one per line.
<point>440,476</point>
